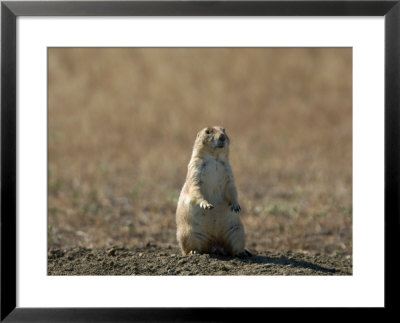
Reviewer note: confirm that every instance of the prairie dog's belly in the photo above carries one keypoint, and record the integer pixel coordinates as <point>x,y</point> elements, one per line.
<point>213,179</point>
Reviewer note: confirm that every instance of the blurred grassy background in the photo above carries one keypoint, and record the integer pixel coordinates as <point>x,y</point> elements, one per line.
<point>122,123</point>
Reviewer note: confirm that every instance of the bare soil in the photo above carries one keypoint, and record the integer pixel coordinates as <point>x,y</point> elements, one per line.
<point>151,259</point>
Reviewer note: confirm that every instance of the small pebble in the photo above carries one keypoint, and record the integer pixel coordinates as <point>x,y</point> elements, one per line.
<point>111,252</point>
<point>182,261</point>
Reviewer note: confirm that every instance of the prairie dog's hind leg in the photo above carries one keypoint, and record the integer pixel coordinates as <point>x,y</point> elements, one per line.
<point>194,242</point>
<point>234,239</point>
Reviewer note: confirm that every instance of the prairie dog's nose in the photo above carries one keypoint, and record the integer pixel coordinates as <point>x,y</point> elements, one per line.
<point>222,137</point>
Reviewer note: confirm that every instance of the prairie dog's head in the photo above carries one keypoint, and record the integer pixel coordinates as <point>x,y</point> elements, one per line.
<point>213,140</point>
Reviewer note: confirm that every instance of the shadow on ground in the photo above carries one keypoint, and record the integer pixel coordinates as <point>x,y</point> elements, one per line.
<point>284,261</point>
<point>281,261</point>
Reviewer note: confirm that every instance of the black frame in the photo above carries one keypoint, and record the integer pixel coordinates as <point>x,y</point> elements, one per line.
<point>10,10</point>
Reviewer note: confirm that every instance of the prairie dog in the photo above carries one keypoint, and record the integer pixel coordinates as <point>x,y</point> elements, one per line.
<point>207,212</point>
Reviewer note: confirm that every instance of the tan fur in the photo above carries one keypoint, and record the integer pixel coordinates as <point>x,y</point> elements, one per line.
<point>207,213</point>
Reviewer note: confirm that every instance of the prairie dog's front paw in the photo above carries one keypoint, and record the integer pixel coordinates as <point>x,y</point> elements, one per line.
<point>205,205</point>
<point>235,207</point>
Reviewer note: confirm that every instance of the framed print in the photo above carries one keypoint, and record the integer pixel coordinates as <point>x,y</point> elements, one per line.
<point>173,155</point>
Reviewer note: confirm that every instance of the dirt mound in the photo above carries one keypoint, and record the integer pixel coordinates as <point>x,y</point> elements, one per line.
<point>151,259</point>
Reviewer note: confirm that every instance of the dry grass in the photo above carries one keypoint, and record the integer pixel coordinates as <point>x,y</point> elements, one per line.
<point>122,123</point>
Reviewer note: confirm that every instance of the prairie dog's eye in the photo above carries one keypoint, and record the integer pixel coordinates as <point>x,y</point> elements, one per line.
<point>207,131</point>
